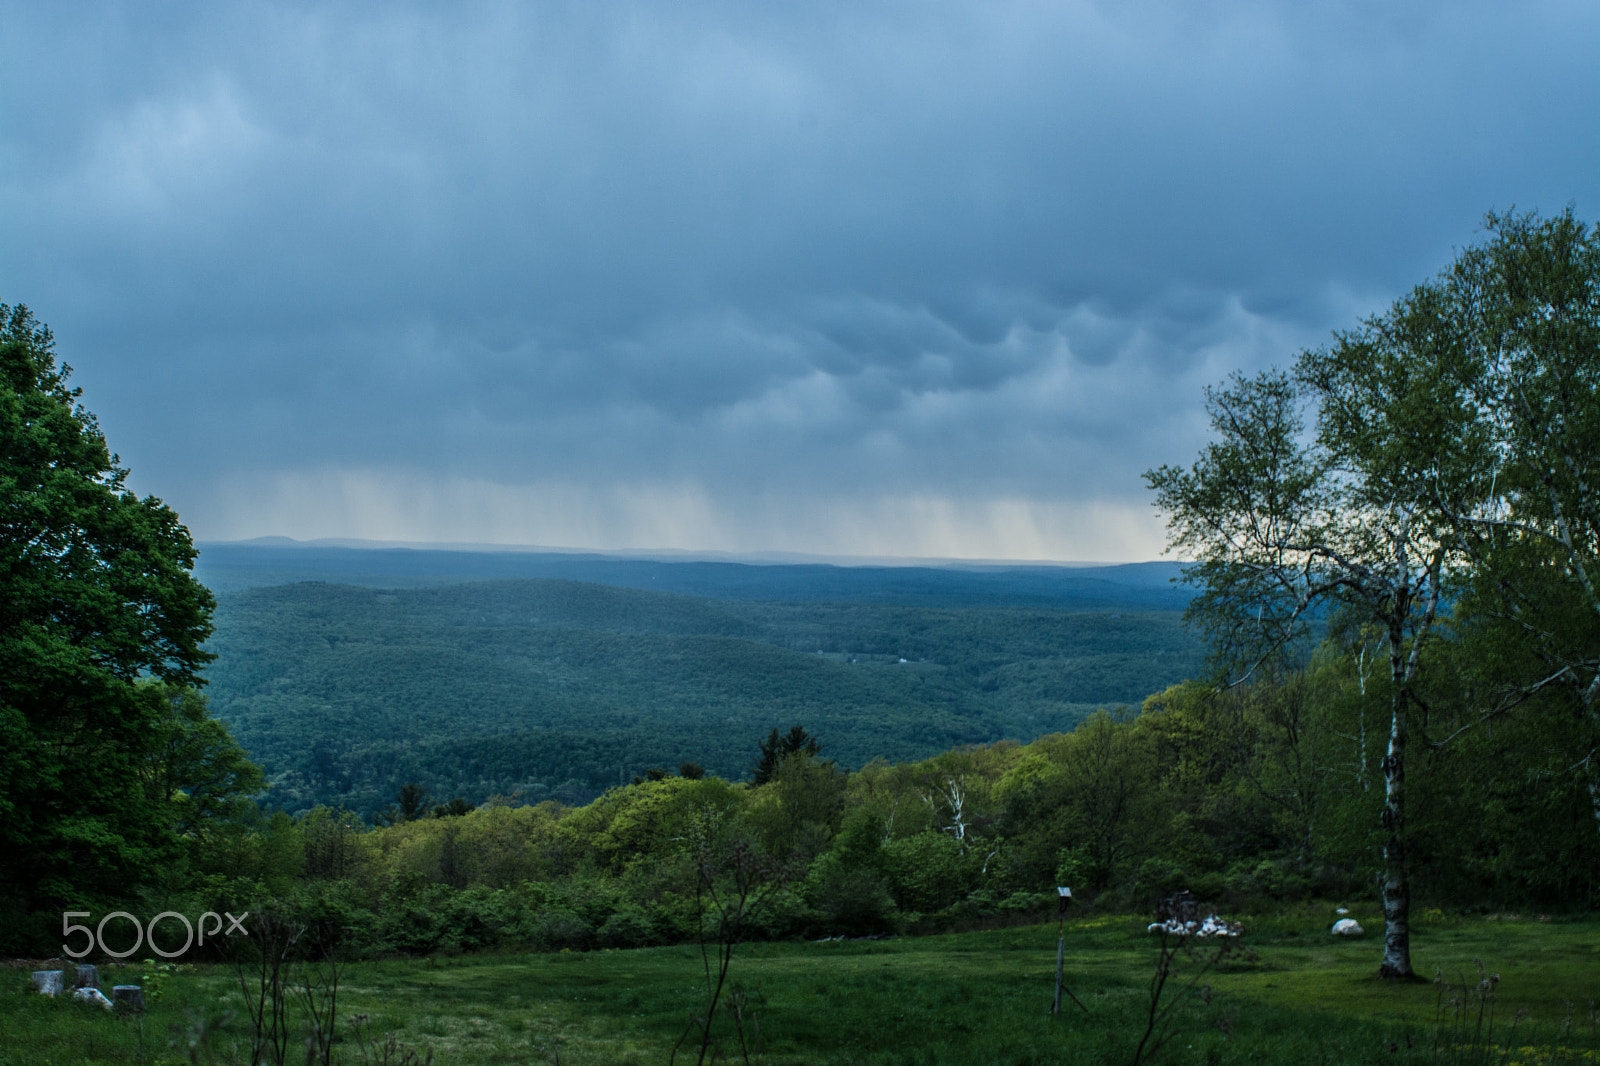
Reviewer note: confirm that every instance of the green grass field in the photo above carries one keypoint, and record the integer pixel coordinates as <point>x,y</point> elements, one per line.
<point>978,997</point>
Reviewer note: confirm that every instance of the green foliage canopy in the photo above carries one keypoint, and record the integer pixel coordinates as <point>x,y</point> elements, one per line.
<point>1455,457</point>
<point>104,760</point>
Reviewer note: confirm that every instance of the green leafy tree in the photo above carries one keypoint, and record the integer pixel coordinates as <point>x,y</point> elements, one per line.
<point>96,595</point>
<point>1093,794</point>
<point>251,853</point>
<point>1454,446</point>
<point>928,872</point>
<point>193,765</point>
<point>332,847</point>
<point>454,809</point>
<point>1521,317</point>
<point>800,808</point>
<point>1284,529</point>
<point>646,822</point>
<point>1208,752</point>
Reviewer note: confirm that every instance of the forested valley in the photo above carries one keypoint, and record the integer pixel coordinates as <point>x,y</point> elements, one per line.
<point>547,688</point>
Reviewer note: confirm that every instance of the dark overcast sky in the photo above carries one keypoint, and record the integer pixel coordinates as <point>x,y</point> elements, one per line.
<point>934,279</point>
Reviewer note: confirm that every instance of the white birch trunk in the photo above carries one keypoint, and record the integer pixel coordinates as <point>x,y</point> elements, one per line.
<point>1396,883</point>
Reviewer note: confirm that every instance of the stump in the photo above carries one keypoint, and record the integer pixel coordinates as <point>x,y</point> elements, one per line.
<point>88,976</point>
<point>48,982</point>
<point>128,997</point>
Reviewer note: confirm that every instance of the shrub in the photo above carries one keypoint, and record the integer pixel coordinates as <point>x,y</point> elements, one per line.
<point>627,928</point>
<point>1275,880</point>
<point>559,928</point>
<point>852,901</point>
<point>1157,878</point>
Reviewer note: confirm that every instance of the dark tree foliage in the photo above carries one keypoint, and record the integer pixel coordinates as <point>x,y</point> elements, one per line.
<point>192,766</point>
<point>97,602</point>
<point>411,804</point>
<point>778,747</point>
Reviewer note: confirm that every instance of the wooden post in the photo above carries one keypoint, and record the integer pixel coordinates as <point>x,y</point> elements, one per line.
<point>1061,952</point>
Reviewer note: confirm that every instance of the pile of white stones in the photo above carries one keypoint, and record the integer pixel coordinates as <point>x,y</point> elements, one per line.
<point>1210,925</point>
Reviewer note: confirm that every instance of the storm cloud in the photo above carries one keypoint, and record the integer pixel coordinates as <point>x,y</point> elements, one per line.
<point>866,278</point>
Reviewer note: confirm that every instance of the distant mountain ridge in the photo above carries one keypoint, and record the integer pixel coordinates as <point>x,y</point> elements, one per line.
<point>229,566</point>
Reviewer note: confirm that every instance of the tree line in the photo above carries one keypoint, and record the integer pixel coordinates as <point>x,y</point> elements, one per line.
<point>1253,798</point>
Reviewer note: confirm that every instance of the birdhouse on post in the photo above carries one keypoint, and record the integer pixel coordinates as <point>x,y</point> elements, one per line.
<point>1063,897</point>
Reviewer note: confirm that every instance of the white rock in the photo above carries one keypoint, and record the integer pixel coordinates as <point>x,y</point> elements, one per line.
<point>92,995</point>
<point>1341,910</point>
<point>1347,927</point>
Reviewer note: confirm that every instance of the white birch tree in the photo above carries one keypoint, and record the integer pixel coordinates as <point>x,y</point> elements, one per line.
<point>1455,454</point>
<point>1285,528</point>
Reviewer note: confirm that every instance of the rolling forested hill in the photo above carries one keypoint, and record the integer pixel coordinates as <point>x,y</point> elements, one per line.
<point>230,566</point>
<point>553,687</point>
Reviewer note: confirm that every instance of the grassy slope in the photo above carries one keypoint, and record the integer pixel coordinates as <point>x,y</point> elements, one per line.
<point>977,998</point>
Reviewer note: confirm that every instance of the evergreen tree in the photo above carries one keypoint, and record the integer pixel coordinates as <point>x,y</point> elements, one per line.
<point>778,747</point>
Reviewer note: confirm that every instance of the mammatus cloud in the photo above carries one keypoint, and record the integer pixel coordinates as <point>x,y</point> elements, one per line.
<point>865,278</point>
<point>867,459</point>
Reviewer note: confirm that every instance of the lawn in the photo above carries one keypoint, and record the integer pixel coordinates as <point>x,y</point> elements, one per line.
<point>979,997</point>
